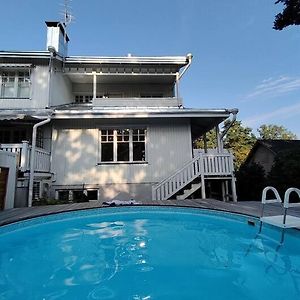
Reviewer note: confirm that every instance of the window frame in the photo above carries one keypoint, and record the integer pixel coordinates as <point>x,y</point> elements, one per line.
<point>115,145</point>
<point>17,83</point>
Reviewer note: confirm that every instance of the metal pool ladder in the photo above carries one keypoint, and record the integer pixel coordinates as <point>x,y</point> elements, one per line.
<point>283,221</point>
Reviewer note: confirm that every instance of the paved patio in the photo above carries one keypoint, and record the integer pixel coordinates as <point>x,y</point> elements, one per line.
<point>250,208</point>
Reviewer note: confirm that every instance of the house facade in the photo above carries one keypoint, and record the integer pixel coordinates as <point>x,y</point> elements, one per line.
<point>106,127</point>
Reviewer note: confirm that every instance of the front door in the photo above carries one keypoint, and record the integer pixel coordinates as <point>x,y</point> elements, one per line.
<point>3,184</point>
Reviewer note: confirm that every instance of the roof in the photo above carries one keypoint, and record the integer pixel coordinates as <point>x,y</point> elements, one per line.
<point>201,120</point>
<point>176,60</point>
<point>277,146</point>
<point>274,146</point>
<point>92,60</point>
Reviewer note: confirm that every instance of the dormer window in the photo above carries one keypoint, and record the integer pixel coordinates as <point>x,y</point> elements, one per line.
<point>14,84</point>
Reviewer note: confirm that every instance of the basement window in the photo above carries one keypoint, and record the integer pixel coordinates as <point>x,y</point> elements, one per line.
<point>122,145</point>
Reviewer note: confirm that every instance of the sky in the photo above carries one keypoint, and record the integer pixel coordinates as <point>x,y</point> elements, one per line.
<point>239,61</point>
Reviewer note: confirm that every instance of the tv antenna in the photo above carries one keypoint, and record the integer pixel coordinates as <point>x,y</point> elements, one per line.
<point>66,13</point>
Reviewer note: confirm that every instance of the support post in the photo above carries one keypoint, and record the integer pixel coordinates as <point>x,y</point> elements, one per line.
<point>94,85</point>
<point>233,189</point>
<point>177,85</point>
<point>218,139</point>
<point>205,142</point>
<point>223,191</point>
<point>203,194</point>
<point>24,157</point>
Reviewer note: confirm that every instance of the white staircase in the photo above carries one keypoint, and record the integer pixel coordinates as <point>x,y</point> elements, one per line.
<point>201,167</point>
<point>188,192</point>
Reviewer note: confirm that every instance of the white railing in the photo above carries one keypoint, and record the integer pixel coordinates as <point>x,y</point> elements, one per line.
<point>201,166</point>
<point>41,161</point>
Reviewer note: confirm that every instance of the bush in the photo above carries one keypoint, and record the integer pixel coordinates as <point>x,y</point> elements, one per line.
<point>285,172</point>
<point>250,182</point>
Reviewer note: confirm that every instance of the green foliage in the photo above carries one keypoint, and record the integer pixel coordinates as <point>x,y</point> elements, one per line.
<point>285,172</point>
<point>239,140</point>
<point>211,140</point>
<point>274,132</point>
<point>250,182</point>
<point>289,16</point>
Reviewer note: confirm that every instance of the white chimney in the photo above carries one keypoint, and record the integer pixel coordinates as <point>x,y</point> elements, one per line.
<point>57,38</point>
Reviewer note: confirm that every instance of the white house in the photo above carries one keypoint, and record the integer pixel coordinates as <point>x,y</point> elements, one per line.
<point>106,127</point>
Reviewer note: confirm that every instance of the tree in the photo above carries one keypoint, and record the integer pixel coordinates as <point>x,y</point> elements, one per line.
<point>289,16</point>
<point>285,172</point>
<point>239,140</point>
<point>274,132</point>
<point>211,140</point>
<point>250,182</point>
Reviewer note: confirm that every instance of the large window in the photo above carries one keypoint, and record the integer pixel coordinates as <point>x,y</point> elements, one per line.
<point>14,84</point>
<point>122,145</point>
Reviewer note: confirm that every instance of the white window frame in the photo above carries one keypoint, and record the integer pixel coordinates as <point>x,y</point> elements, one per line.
<point>115,145</point>
<point>16,83</point>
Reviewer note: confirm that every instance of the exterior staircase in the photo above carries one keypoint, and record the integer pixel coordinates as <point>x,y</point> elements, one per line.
<point>189,191</point>
<point>191,177</point>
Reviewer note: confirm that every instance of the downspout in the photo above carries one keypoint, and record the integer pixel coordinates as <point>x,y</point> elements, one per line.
<point>32,158</point>
<point>179,75</point>
<point>223,133</point>
<point>189,58</point>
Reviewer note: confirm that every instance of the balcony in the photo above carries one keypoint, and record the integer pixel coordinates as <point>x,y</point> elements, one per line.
<point>41,159</point>
<point>137,102</point>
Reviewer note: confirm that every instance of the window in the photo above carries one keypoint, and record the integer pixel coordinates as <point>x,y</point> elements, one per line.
<point>122,145</point>
<point>14,84</point>
<point>83,98</point>
<point>39,138</point>
<point>36,190</point>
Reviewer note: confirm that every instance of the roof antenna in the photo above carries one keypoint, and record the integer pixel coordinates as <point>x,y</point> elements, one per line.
<point>66,13</point>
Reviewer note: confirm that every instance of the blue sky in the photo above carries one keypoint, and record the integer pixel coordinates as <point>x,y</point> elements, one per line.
<point>239,60</point>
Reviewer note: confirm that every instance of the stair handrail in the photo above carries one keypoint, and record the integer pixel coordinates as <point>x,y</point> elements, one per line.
<point>180,170</point>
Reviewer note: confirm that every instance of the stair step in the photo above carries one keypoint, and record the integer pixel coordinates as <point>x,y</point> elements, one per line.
<point>188,192</point>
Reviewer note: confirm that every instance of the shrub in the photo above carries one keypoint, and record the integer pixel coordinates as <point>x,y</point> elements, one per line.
<point>250,182</point>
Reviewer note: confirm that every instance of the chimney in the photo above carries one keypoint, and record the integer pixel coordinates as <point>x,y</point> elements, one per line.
<point>57,38</point>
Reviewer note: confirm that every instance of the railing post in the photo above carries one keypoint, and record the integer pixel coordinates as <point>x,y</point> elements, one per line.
<point>24,157</point>
<point>233,186</point>
<point>153,193</point>
<point>203,194</point>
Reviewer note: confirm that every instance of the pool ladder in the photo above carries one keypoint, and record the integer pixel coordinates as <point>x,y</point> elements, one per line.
<point>283,221</point>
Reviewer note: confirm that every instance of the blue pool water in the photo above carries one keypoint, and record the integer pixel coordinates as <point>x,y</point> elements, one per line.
<point>147,253</point>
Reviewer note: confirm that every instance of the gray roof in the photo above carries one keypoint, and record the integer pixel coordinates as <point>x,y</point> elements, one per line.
<point>277,146</point>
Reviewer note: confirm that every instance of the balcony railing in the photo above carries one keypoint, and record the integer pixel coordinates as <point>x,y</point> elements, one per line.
<point>138,102</point>
<point>41,159</point>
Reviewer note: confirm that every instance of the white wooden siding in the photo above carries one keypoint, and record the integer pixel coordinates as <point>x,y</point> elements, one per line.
<point>61,91</point>
<point>75,154</point>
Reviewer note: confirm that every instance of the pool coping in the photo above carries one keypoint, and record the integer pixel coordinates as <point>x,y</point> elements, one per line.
<point>247,208</point>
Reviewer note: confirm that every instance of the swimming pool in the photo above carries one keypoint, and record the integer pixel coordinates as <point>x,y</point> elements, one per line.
<point>147,253</point>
